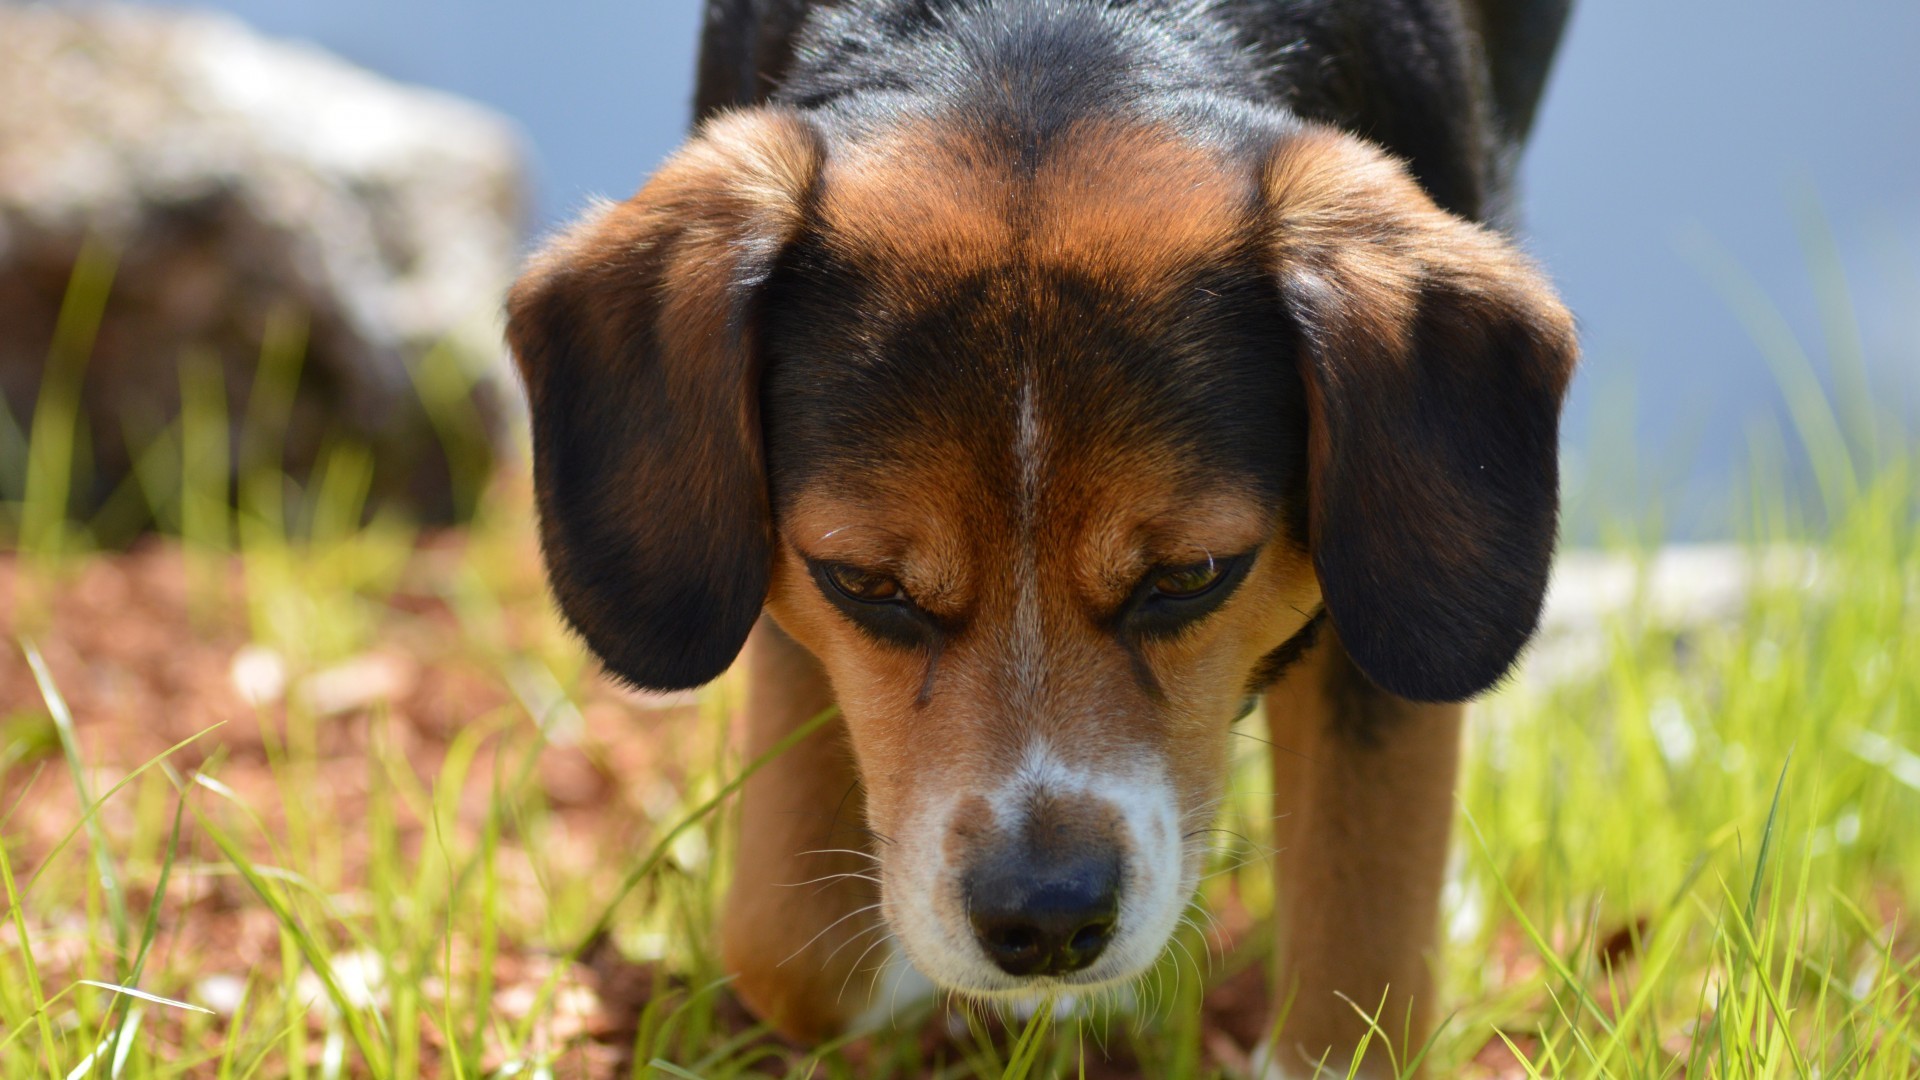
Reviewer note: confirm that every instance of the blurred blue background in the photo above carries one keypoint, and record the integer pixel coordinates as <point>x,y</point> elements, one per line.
<point>1684,150</point>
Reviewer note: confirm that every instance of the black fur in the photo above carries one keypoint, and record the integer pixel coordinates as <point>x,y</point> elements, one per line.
<point>851,387</point>
<point>847,383</point>
<point>648,466</point>
<point>1450,86</point>
<point>1436,508</point>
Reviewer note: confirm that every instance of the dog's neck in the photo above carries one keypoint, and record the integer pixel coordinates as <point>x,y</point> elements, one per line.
<point>1025,67</point>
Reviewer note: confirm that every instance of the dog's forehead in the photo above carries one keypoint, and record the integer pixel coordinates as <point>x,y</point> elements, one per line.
<point>1036,323</point>
<point>1126,200</point>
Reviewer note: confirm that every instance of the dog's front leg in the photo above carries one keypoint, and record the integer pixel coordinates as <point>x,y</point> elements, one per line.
<point>800,915</point>
<point>1363,786</point>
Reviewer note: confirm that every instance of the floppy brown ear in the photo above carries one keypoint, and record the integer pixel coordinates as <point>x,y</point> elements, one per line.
<point>1434,358</point>
<point>633,334</point>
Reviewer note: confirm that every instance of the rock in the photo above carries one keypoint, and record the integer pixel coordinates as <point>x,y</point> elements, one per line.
<point>1681,588</point>
<point>233,182</point>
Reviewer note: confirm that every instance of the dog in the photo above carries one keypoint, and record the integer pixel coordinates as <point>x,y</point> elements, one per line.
<point>1044,383</point>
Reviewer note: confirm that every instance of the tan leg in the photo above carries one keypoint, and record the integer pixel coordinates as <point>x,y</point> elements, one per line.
<point>1364,797</point>
<point>792,931</point>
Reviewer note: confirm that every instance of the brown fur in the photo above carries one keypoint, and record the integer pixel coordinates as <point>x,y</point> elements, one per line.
<point>1436,358</point>
<point>630,337</point>
<point>1028,494</point>
<point>1123,201</point>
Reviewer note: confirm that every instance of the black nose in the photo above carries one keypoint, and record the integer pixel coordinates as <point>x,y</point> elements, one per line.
<point>1039,918</point>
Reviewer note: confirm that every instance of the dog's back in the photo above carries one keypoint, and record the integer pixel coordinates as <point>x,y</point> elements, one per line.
<point>1450,86</point>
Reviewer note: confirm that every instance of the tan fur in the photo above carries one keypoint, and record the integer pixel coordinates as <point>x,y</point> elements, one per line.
<point>1363,797</point>
<point>1351,217</point>
<point>1105,531</point>
<point>1132,202</point>
<point>790,928</point>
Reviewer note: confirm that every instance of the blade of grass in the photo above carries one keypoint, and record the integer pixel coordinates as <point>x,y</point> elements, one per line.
<point>96,835</point>
<point>151,929</point>
<point>307,945</point>
<point>1540,944</point>
<point>36,994</point>
<point>1766,843</point>
<point>135,992</point>
<point>51,450</point>
<point>1033,1035</point>
<point>87,814</point>
<point>661,848</point>
<point>1807,401</point>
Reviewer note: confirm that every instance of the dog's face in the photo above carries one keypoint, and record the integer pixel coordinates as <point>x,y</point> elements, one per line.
<point>1030,456</point>
<point>1051,460</point>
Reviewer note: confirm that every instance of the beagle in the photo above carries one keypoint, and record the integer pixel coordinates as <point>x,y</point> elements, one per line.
<point>1044,383</point>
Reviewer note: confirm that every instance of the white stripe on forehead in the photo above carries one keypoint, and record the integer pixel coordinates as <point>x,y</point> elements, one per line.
<point>1028,448</point>
<point>1027,650</point>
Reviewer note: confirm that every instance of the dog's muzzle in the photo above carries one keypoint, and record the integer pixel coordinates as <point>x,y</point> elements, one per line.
<point>1066,874</point>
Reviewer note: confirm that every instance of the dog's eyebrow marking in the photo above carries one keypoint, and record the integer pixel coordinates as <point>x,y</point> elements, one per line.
<point>1142,671</point>
<point>925,697</point>
<point>1275,664</point>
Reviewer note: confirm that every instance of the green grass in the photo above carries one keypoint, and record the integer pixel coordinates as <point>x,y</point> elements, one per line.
<point>1698,860</point>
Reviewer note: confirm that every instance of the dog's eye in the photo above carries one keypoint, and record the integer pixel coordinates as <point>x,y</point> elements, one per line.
<point>875,602</point>
<point>862,585</point>
<point>1187,582</point>
<point>1172,598</point>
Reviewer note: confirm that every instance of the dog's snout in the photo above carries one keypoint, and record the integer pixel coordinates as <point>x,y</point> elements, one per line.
<point>1033,917</point>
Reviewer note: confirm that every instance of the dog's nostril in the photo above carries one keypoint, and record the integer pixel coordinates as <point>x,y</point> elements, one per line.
<point>1018,938</point>
<point>1043,920</point>
<point>1091,938</point>
<point>1013,941</point>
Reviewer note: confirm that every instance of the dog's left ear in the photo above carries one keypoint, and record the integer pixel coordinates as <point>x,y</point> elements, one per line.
<point>633,333</point>
<point>1434,358</point>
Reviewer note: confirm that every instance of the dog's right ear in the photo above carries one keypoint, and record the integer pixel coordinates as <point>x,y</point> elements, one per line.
<point>1434,357</point>
<point>633,332</point>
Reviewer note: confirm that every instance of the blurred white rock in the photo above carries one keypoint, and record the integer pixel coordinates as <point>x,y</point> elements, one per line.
<point>1680,588</point>
<point>234,177</point>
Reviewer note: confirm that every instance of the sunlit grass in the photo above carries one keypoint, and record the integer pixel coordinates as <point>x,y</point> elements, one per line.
<point>1699,859</point>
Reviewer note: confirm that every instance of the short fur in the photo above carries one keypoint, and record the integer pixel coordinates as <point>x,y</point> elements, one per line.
<point>1016,304</point>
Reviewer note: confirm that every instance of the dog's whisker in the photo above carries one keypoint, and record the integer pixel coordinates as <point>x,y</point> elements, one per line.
<point>1204,947</point>
<point>855,967</point>
<point>1236,867</point>
<point>878,924</point>
<point>857,911</point>
<point>1218,928</point>
<point>874,973</point>
<point>861,830</point>
<point>1174,997</point>
<point>1277,746</point>
<point>1224,832</point>
<point>840,851</point>
<point>1200,974</point>
<point>828,877</point>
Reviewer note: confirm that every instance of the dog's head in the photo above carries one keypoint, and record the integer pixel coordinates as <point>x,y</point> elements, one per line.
<point>1050,459</point>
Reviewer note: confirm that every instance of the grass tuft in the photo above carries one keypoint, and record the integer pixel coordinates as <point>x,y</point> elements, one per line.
<point>364,808</point>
